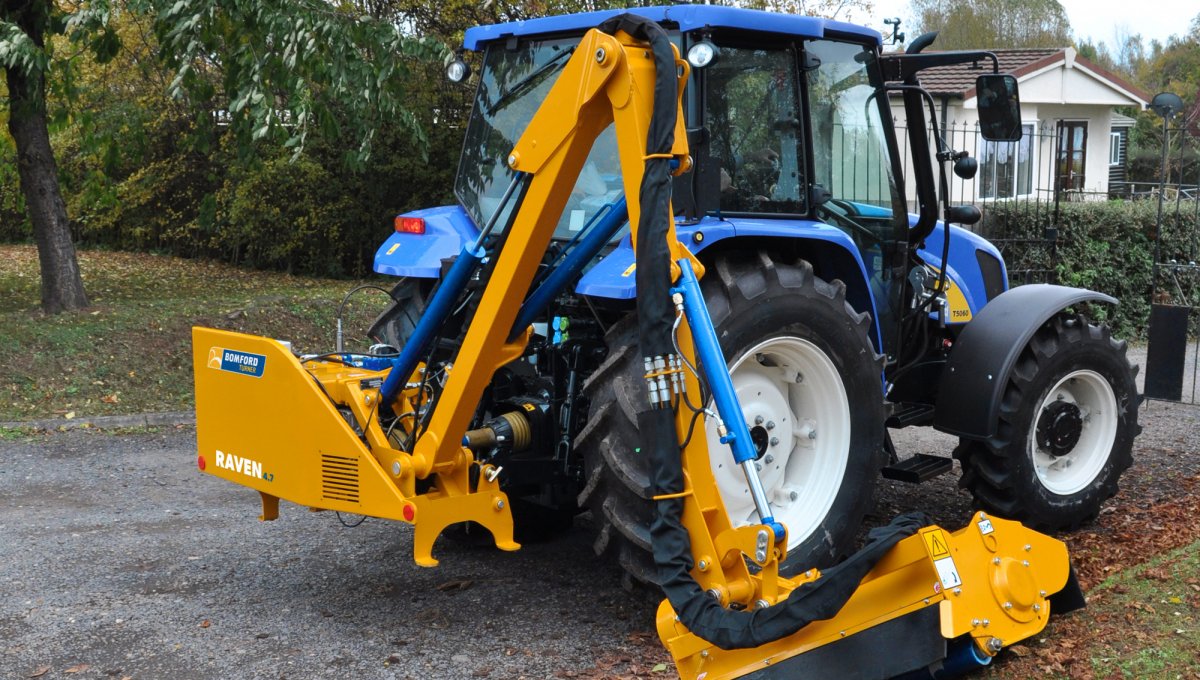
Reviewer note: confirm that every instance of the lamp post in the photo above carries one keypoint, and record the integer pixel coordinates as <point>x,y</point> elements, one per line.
<point>1167,342</point>
<point>1166,105</point>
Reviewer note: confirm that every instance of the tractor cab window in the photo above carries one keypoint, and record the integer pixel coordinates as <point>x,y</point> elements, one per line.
<point>852,166</point>
<point>752,115</point>
<point>515,80</point>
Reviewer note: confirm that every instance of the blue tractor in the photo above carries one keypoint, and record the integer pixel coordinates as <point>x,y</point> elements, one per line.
<point>841,315</point>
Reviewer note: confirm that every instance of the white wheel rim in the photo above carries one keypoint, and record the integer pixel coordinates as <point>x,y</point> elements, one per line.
<point>1073,471</point>
<point>802,471</point>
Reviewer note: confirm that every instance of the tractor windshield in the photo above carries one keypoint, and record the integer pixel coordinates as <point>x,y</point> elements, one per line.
<point>514,82</point>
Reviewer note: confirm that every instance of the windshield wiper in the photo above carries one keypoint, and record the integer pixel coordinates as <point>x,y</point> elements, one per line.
<point>529,81</point>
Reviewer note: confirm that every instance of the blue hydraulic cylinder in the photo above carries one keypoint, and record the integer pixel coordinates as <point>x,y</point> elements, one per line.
<point>593,241</point>
<point>712,363</point>
<point>435,315</point>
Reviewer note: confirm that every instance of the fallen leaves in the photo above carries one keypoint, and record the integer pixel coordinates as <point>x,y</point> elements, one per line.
<point>205,623</point>
<point>78,668</point>
<point>41,670</point>
<point>1123,538</point>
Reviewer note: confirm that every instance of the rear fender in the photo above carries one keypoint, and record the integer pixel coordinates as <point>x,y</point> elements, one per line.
<point>447,230</point>
<point>835,256</point>
<point>973,381</point>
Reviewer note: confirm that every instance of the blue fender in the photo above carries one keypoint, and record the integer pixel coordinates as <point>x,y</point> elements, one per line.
<point>613,277</point>
<point>447,230</point>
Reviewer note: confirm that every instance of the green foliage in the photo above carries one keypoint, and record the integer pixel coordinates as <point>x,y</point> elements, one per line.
<point>1102,246</point>
<point>285,215</point>
<point>14,226</point>
<point>280,73</point>
<point>19,50</point>
<point>978,24</point>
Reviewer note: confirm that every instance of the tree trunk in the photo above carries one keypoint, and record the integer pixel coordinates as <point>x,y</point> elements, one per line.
<point>62,286</point>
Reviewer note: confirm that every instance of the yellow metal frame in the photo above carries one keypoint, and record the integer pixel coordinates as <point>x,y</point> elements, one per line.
<point>281,432</point>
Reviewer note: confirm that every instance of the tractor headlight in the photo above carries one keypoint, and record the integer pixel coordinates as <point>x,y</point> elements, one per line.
<point>702,53</point>
<point>457,70</point>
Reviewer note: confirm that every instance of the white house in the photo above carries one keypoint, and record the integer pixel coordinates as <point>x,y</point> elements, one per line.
<point>1072,135</point>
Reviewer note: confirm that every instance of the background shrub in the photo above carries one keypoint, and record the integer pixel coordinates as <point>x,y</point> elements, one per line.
<point>1103,246</point>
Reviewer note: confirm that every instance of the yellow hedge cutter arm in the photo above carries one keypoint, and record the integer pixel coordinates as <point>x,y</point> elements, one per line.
<point>309,431</point>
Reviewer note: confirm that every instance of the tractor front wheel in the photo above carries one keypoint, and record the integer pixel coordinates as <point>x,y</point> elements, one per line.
<point>1068,417</point>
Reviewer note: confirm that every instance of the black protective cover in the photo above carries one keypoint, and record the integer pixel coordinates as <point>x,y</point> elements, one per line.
<point>909,643</point>
<point>973,381</point>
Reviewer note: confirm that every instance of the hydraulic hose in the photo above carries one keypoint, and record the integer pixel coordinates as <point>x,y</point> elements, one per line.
<point>725,628</point>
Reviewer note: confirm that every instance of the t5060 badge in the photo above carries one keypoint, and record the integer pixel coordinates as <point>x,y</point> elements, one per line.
<point>243,363</point>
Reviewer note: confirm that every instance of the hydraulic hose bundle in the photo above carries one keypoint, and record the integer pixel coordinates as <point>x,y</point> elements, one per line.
<point>725,628</point>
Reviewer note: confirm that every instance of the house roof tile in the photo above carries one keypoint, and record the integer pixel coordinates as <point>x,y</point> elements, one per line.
<point>959,80</point>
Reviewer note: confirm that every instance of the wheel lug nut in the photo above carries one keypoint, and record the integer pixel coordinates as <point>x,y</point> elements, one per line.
<point>758,420</point>
<point>794,496</point>
<point>770,424</point>
<point>769,459</point>
<point>812,434</point>
<point>774,441</point>
<point>758,466</point>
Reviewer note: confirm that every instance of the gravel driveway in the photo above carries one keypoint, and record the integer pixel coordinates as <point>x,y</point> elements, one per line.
<point>120,556</point>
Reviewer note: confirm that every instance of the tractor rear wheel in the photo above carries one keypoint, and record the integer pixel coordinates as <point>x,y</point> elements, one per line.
<point>1068,418</point>
<point>808,382</point>
<point>396,323</point>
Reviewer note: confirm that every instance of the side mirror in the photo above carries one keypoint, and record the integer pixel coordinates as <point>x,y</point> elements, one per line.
<point>999,107</point>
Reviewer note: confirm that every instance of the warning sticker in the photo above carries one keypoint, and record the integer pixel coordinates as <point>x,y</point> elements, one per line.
<point>985,526</point>
<point>947,572</point>
<point>936,543</point>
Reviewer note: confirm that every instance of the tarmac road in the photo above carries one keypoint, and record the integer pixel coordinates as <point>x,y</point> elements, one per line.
<point>118,554</point>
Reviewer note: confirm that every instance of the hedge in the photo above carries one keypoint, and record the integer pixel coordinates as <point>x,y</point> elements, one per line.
<point>1102,246</point>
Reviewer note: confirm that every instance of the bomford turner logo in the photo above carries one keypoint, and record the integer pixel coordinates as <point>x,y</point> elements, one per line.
<point>242,363</point>
<point>246,466</point>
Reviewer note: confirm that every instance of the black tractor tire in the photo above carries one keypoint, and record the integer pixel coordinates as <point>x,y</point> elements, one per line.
<point>751,298</point>
<point>1055,414</point>
<point>395,324</point>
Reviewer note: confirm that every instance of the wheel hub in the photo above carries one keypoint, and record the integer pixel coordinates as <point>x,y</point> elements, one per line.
<point>1059,428</point>
<point>760,437</point>
<point>796,407</point>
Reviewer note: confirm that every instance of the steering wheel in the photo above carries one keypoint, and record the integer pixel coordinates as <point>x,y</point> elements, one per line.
<point>842,216</point>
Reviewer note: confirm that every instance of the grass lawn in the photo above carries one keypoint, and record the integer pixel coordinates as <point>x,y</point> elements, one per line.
<point>130,352</point>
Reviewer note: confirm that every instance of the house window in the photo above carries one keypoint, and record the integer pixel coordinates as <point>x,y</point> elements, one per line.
<point>1114,148</point>
<point>1006,168</point>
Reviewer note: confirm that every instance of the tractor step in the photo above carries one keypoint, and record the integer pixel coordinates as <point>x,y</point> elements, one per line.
<point>919,468</point>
